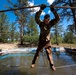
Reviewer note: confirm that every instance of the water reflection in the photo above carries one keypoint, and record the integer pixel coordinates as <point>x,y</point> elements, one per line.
<point>72,53</point>
<point>19,63</point>
<point>72,56</point>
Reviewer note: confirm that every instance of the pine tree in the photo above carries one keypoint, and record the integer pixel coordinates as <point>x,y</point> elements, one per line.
<point>22,15</point>
<point>68,14</point>
<point>32,29</point>
<point>4,27</point>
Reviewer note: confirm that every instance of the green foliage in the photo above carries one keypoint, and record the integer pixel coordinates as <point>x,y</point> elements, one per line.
<point>29,28</point>
<point>32,27</point>
<point>12,31</point>
<point>53,40</point>
<point>69,38</point>
<point>17,36</point>
<point>58,41</point>
<point>31,32</point>
<point>22,15</point>
<point>4,27</point>
<point>68,14</point>
<point>31,39</point>
<point>56,34</point>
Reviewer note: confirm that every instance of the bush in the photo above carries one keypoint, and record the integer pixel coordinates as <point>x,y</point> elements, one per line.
<point>31,39</point>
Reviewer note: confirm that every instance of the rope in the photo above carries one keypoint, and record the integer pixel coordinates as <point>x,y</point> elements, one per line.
<point>13,9</point>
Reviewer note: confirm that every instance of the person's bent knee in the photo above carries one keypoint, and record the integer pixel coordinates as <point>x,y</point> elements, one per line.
<point>48,50</point>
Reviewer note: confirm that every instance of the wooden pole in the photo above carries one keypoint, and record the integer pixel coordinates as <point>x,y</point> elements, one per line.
<point>13,9</point>
<point>67,7</point>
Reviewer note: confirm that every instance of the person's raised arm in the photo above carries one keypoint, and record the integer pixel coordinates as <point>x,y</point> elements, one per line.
<point>57,17</point>
<point>37,15</point>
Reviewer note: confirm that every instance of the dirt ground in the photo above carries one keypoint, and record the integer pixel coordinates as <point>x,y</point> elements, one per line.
<point>9,46</point>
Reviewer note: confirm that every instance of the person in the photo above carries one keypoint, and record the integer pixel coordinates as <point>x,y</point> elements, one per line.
<point>44,38</point>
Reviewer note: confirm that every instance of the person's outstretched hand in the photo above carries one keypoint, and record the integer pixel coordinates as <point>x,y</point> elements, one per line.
<point>42,6</point>
<point>52,7</point>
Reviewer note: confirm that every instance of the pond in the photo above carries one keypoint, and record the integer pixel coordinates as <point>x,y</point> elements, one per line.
<point>19,64</point>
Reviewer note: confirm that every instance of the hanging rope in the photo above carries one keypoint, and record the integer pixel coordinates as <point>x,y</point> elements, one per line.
<point>13,9</point>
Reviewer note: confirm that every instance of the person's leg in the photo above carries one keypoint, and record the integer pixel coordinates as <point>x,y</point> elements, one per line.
<point>36,56</point>
<point>49,55</point>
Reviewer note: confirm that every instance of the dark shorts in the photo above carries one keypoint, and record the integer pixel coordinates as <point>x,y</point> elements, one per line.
<point>44,44</point>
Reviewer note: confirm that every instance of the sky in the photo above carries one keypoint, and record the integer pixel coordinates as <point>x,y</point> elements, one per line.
<point>31,2</point>
<point>12,17</point>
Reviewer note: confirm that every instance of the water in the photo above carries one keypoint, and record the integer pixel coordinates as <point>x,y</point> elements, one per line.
<point>19,64</point>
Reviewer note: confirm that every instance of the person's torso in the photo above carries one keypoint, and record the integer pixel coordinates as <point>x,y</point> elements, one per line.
<point>45,31</point>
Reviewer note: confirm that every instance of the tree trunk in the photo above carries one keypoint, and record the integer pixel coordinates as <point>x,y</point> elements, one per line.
<point>21,34</point>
